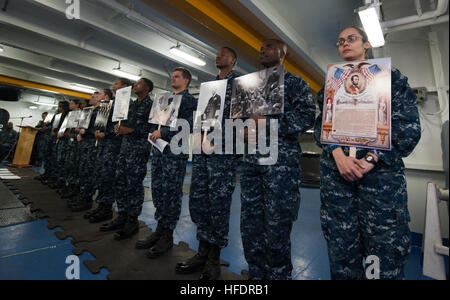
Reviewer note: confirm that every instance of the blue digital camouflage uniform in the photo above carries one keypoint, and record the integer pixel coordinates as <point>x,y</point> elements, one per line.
<point>9,138</point>
<point>169,170</point>
<point>56,151</point>
<point>213,183</point>
<point>132,161</point>
<point>71,161</point>
<point>62,147</point>
<point>370,216</point>
<point>87,157</point>
<point>271,193</point>
<point>49,158</point>
<point>107,154</point>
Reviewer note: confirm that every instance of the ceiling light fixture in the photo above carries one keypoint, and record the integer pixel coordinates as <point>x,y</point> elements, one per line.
<point>33,107</point>
<point>371,23</point>
<point>83,88</point>
<point>121,73</point>
<point>175,50</point>
<point>2,49</point>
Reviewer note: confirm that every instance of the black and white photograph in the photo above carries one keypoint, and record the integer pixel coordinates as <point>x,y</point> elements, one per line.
<point>73,118</point>
<point>258,94</point>
<point>211,104</point>
<point>122,104</point>
<point>102,116</point>
<point>165,110</point>
<point>85,117</point>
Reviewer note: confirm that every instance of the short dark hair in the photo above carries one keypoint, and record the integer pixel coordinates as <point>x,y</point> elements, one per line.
<point>125,81</point>
<point>45,113</point>
<point>233,53</point>
<point>149,83</point>
<point>354,77</point>
<point>280,44</point>
<point>108,92</point>
<point>185,73</point>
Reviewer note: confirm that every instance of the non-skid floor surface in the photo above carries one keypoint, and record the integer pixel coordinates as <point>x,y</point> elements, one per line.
<point>120,258</point>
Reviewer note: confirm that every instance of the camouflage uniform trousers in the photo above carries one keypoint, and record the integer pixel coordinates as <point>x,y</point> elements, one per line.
<point>168,172</point>
<point>131,169</point>
<point>71,166</point>
<point>212,187</point>
<point>51,156</point>
<point>86,171</point>
<point>62,148</point>
<point>107,154</point>
<point>369,217</point>
<point>43,142</point>
<point>270,199</point>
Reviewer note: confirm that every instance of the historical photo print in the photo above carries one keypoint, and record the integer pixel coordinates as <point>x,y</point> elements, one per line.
<point>165,110</point>
<point>211,104</point>
<point>357,104</point>
<point>122,104</point>
<point>258,94</point>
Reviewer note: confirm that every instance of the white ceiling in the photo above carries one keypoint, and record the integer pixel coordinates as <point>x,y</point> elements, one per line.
<point>42,45</point>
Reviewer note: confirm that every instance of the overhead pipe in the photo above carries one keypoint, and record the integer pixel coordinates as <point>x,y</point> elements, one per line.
<point>440,10</point>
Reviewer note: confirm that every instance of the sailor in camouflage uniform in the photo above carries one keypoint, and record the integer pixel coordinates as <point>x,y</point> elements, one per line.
<point>8,139</point>
<point>364,199</point>
<point>213,183</point>
<point>108,151</point>
<point>271,187</point>
<point>168,172</point>
<point>131,166</point>
<point>87,155</point>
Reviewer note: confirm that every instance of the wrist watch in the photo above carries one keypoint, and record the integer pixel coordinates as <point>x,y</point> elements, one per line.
<point>370,159</point>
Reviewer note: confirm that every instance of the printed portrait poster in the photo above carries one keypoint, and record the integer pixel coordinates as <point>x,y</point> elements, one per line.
<point>102,116</point>
<point>122,104</point>
<point>357,104</point>
<point>258,94</point>
<point>73,118</point>
<point>85,117</point>
<point>165,110</point>
<point>211,104</point>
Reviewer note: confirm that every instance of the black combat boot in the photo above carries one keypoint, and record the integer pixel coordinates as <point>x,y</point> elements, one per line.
<point>131,228</point>
<point>151,240</point>
<point>164,244</point>
<point>211,271</point>
<point>117,223</point>
<point>84,204</point>
<point>69,192</point>
<point>195,263</point>
<point>91,212</point>
<point>104,213</point>
<point>57,185</point>
<point>49,180</point>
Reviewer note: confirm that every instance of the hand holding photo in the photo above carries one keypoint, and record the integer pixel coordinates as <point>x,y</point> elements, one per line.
<point>122,104</point>
<point>211,103</point>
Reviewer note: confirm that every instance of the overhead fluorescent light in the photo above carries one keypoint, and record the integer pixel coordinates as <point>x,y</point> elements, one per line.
<point>45,104</point>
<point>124,74</point>
<point>1,49</point>
<point>195,60</point>
<point>83,88</point>
<point>371,23</point>
<point>33,107</point>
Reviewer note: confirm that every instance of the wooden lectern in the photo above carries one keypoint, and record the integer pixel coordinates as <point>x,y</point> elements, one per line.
<point>24,147</point>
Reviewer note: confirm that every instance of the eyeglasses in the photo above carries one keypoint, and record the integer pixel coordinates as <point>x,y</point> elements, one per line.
<point>351,39</point>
